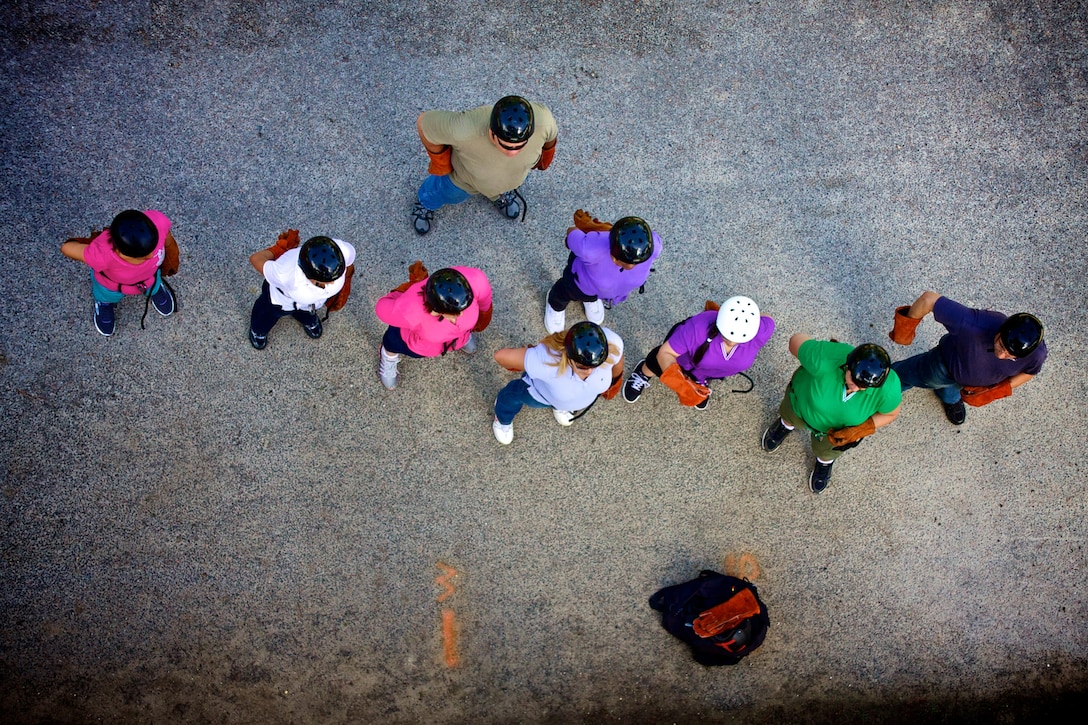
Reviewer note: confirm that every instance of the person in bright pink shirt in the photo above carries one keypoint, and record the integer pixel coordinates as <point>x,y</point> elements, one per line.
<point>431,316</point>
<point>127,259</point>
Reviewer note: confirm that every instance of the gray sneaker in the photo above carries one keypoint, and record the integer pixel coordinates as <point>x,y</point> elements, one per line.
<point>387,369</point>
<point>469,348</point>
<point>508,204</point>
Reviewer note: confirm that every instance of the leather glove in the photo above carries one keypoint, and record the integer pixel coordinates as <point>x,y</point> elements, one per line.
<point>338,300</point>
<point>440,164</point>
<point>287,240</point>
<point>172,258</point>
<point>416,273</point>
<point>586,223</point>
<point>851,433</point>
<point>484,319</point>
<point>904,327</point>
<point>546,156</point>
<point>979,395</point>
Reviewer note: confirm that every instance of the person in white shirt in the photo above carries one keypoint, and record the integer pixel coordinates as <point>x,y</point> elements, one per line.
<point>566,372</point>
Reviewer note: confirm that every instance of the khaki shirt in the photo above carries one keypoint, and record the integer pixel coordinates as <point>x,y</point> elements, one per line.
<point>479,167</point>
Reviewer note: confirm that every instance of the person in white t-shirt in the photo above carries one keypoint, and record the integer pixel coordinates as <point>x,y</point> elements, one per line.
<point>298,282</point>
<point>566,372</point>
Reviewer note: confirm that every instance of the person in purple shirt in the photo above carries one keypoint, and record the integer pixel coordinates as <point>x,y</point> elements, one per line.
<point>981,359</point>
<point>603,268</point>
<point>709,346</point>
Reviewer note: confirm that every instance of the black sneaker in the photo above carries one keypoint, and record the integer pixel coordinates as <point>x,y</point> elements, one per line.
<point>508,204</point>
<point>259,342</point>
<point>104,320</point>
<point>635,384</point>
<point>955,412</point>
<point>821,476</point>
<point>773,436</point>
<point>701,405</point>
<point>657,601</point>
<point>163,301</point>
<point>313,329</point>
<point>421,219</point>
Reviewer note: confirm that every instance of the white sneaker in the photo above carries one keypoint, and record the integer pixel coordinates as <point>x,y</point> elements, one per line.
<point>503,433</point>
<point>563,417</point>
<point>469,347</point>
<point>387,368</point>
<point>554,320</point>
<point>594,311</point>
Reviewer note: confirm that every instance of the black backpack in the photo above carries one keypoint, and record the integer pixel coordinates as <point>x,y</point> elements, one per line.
<point>720,601</point>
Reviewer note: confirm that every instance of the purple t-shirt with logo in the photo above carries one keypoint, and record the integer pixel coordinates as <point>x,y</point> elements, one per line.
<point>692,332</point>
<point>968,348</point>
<point>596,272</point>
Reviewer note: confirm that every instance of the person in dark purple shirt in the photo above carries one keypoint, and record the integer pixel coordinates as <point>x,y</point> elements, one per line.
<point>982,358</point>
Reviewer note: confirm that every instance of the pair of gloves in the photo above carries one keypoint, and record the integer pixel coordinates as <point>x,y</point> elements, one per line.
<point>903,331</point>
<point>441,165</point>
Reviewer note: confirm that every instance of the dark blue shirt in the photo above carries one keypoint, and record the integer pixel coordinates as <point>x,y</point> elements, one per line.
<point>968,348</point>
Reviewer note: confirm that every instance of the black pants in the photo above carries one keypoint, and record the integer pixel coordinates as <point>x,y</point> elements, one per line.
<point>265,314</point>
<point>566,290</point>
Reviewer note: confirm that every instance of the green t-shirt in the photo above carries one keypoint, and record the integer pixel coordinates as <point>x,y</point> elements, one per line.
<point>819,389</point>
<point>479,167</point>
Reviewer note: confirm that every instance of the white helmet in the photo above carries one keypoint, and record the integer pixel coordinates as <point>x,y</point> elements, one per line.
<point>738,319</point>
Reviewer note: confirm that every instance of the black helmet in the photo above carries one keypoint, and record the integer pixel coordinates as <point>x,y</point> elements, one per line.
<point>1021,334</point>
<point>512,120</point>
<point>631,241</point>
<point>321,260</point>
<point>868,365</point>
<point>586,344</point>
<point>448,292</point>
<point>133,234</point>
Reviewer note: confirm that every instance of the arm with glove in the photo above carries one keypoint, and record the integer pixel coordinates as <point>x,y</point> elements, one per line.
<point>547,154</point>
<point>908,317</point>
<point>440,155</point>
<point>979,395</point>
<point>287,240</point>
<point>854,433</point>
<point>617,380</point>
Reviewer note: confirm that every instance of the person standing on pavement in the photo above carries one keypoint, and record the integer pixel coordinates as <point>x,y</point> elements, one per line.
<point>982,358</point>
<point>603,268</point>
<point>840,394</point>
<point>430,315</point>
<point>712,345</point>
<point>488,150</point>
<point>566,372</point>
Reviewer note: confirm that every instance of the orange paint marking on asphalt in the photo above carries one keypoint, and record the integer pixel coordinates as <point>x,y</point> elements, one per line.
<point>449,638</point>
<point>744,566</point>
<point>443,580</point>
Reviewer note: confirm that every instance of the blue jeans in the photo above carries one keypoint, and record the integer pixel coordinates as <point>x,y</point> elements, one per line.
<point>511,399</point>
<point>112,297</point>
<point>927,370</point>
<point>437,191</point>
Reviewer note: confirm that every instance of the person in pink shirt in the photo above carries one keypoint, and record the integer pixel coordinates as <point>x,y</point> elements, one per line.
<point>128,259</point>
<point>431,316</point>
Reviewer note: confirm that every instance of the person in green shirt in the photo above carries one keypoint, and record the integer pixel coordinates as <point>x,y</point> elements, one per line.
<point>841,394</point>
<point>487,150</point>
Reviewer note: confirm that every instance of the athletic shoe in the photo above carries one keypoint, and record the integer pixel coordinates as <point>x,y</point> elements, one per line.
<point>387,369</point>
<point>773,436</point>
<point>821,476</point>
<point>508,204</point>
<point>104,320</point>
<point>635,384</point>
<point>163,301</point>
<point>469,348</point>
<point>955,412</point>
<point>594,311</point>
<point>503,433</point>
<point>701,405</point>
<point>563,417</point>
<point>421,219</point>
<point>259,342</point>
<point>313,329</point>
<point>554,320</point>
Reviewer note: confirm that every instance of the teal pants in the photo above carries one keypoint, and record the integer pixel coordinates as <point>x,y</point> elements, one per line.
<point>110,297</point>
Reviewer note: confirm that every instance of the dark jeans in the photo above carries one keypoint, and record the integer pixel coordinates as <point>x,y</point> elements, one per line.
<point>927,370</point>
<point>394,344</point>
<point>265,314</point>
<point>566,290</point>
